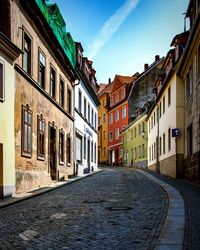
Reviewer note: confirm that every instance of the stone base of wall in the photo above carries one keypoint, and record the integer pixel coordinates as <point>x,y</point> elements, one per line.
<point>192,168</point>
<point>30,180</point>
<point>171,166</point>
<point>139,164</point>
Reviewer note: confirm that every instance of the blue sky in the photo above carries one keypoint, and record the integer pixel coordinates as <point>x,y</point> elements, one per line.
<point>120,36</point>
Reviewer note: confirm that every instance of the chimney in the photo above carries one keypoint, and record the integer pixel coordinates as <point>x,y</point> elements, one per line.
<point>109,81</point>
<point>146,65</point>
<point>157,58</point>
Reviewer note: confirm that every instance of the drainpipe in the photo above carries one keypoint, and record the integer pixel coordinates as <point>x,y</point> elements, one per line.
<point>75,170</point>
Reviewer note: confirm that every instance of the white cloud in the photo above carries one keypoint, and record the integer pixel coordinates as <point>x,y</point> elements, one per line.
<point>111,26</point>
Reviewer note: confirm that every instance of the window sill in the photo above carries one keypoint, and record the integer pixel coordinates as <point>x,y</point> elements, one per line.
<point>27,155</point>
<point>40,158</point>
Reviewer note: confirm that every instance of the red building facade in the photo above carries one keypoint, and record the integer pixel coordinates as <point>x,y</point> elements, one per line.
<point>118,116</point>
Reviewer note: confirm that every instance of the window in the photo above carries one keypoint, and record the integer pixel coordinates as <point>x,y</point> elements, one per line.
<point>41,138</point>
<point>163,143</point>
<point>163,105</point>
<point>117,115</point>
<point>117,134</point>
<point>160,145</point>
<point>53,83</point>
<point>95,121</point>
<point>135,132</point>
<point>104,135</point>
<point>111,136</point>
<point>61,146</point>
<point>61,99</point>
<point>92,117</point>
<point>160,109</point>
<point>104,118</point>
<point>169,96</point>
<point>95,152</point>
<point>85,107</point>
<point>69,101</point>
<point>92,151</point>
<point>139,129</point>
<point>80,101</point>
<point>131,134</point>
<point>78,148</point>
<point>111,118</point>
<point>123,112</point>
<point>142,150</point>
<point>2,82</point>
<point>27,54</point>
<point>42,65</point>
<point>169,139</point>
<point>26,131</point>
<point>117,98</point>
<point>143,130</point>
<point>123,93</point>
<point>135,153</point>
<point>111,100</point>
<point>189,140</point>
<point>68,149</point>
<point>139,154</point>
<point>88,112</point>
<point>99,120</point>
<point>154,150</point>
<point>189,83</point>
<point>84,147</point>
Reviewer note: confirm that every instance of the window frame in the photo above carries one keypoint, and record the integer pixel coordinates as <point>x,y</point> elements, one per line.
<point>69,100</point>
<point>53,95</point>
<point>27,35</point>
<point>68,149</point>
<point>62,94</point>
<point>40,118</point>
<point>61,147</point>
<point>2,82</point>
<point>26,153</point>
<point>42,85</point>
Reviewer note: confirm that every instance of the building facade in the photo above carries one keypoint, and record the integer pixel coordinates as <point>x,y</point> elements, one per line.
<point>103,95</point>
<point>189,71</point>
<point>44,92</point>
<point>118,116</point>
<point>135,141</point>
<point>8,54</point>
<point>86,115</point>
<point>165,119</point>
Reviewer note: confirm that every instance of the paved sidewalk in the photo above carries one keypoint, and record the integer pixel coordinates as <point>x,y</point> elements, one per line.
<point>24,196</point>
<point>191,197</point>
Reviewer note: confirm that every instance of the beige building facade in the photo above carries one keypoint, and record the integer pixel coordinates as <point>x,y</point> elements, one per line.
<point>8,54</point>
<point>44,92</point>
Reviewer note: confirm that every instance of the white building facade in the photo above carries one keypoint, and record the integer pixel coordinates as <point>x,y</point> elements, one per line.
<point>86,113</point>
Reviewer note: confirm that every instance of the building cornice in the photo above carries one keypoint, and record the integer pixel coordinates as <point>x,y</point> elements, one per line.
<point>10,49</point>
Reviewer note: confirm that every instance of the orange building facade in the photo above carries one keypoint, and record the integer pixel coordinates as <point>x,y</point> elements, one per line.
<point>118,116</point>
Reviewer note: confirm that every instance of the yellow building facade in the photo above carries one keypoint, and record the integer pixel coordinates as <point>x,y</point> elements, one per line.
<point>103,96</point>
<point>8,53</point>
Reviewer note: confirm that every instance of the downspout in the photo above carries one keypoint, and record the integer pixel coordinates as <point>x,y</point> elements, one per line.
<point>76,83</point>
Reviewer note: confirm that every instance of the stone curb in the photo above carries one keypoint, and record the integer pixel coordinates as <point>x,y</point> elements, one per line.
<point>26,196</point>
<point>172,234</point>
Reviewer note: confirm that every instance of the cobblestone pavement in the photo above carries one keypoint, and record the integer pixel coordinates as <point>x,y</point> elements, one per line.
<point>115,209</point>
<point>191,196</point>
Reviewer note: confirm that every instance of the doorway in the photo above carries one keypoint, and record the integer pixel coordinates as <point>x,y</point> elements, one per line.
<point>52,152</point>
<point>88,155</point>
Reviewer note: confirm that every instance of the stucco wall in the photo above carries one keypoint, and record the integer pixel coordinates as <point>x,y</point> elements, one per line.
<point>7,154</point>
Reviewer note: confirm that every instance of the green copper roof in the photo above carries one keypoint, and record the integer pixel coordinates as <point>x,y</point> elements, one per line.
<point>55,20</point>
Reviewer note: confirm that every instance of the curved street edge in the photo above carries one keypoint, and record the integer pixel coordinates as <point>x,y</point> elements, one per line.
<point>172,234</point>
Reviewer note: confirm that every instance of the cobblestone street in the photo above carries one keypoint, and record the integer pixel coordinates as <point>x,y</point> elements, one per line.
<point>115,209</point>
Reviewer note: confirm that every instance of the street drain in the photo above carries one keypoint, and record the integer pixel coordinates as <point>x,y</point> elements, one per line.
<point>94,201</point>
<point>119,208</point>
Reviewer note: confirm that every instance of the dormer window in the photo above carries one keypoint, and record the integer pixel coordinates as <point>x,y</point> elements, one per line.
<point>123,93</point>
<point>80,58</point>
<point>111,101</point>
<point>176,53</point>
<point>117,98</point>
